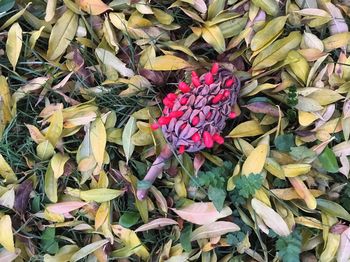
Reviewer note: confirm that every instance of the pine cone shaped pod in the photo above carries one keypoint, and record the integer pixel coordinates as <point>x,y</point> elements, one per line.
<point>194,117</point>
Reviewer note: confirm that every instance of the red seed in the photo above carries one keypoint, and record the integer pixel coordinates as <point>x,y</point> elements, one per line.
<point>167,102</point>
<point>164,120</point>
<point>182,127</point>
<point>171,96</point>
<point>215,68</point>
<point>196,82</point>
<point>184,87</point>
<point>209,79</point>
<point>196,137</point>
<point>182,149</point>
<point>208,140</point>
<point>183,100</point>
<point>232,115</point>
<point>217,98</point>
<point>208,115</point>
<point>227,93</point>
<point>229,83</point>
<point>218,139</point>
<point>194,74</point>
<point>154,126</point>
<point>195,120</point>
<point>176,114</point>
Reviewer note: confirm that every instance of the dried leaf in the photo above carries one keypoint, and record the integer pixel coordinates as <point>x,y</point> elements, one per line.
<point>156,224</point>
<point>62,34</point>
<point>214,229</point>
<point>129,130</point>
<point>14,44</point>
<point>271,218</point>
<point>202,213</point>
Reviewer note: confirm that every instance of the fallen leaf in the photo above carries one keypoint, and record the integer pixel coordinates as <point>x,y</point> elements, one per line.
<point>166,63</point>
<point>156,224</point>
<point>271,218</point>
<point>202,213</point>
<point>6,236</point>
<point>62,34</point>
<point>214,229</point>
<point>14,44</point>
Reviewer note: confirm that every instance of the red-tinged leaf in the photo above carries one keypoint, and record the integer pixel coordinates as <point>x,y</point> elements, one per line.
<point>264,108</point>
<point>202,213</point>
<point>65,207</point>
<point>343,251</point>
<point>22,193</point>
<point>156,224</point>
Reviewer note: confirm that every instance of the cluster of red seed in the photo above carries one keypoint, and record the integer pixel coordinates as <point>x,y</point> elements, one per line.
<point>224,96</point>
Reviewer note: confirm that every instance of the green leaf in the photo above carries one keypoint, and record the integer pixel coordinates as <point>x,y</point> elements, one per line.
<point>284,142</point>
<point>48,241</point>
<point>129,218</point>
<point>332,208</point>
<point>247,185</point>
<point>217,195</point>
<point>6,5</point>
<point>185,238</point>
<point>329,161</point>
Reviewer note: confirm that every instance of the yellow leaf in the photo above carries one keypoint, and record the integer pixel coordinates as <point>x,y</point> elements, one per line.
<point>162,16</point>
<point>55,129</point>
<point>300,68</point>
<point>247,129</point>
<point>166,63</point>
<point>109,59</point>
<point>141,138</point>
<point>213,36</point>
<point>98,195</point>
<point>325,96</point>
<point>45,150</point>
<point>88,249</point>
<point>101,214</point>
<point>277,51</point>
<point>131,240</point>
<point>110,36</point>
<point>273,167</point>
<point>269,6</point>
<point>255,161</point>
<point>6,236</point>
<point>57,163</point>
<point>268,34</point>
<point>6,171</point>
<point>98,139</point>
<point>87,164</point>
<point>270,217</point>
<point>5,104</point>
<point>50,184</point>
<point>14,18</point>
<point>64,254</point>
<point>306,118</point>
<point>93,7</point>
<point>62,34</point>
<point>336,41</point>
<point>293,170</point>
<point>14,44</point>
